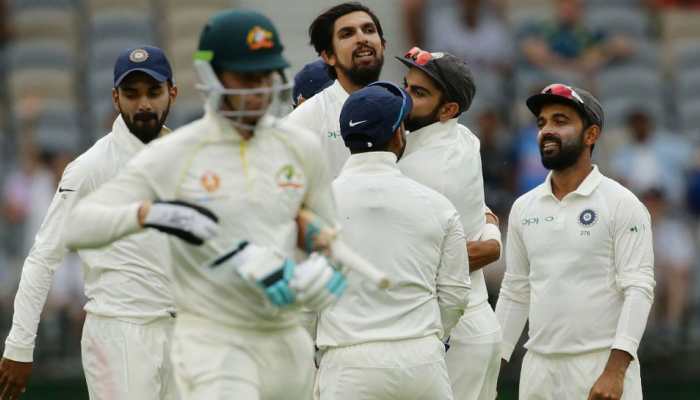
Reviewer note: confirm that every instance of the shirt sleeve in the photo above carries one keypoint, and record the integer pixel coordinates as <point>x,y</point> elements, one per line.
<point>513,303</point>
<point>111,212</point>
<point>634,267</point>
<point>45,256</point>
<point>308,116</point>
<point>453,282</point>
<point>319,194</point>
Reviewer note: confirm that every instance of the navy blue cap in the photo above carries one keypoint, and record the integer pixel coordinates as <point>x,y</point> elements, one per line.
<point>148,59</point>
<point>371,115</point>
<point>312,79</point>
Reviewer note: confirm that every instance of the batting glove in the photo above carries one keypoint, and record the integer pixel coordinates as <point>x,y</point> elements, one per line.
<point>264,268</point>
<point>316,283</point>
<point>189,222</point>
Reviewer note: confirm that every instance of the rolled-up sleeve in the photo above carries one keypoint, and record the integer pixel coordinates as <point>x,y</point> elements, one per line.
<point>513,303</point>
<point>634,267</point>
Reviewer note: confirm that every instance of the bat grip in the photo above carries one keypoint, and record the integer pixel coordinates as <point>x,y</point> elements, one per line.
<point>346,256</point>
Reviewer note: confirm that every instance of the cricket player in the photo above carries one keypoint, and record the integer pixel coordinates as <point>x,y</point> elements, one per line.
<point>386,344</point>
<point>350,40</point>
<point>237,291</point>
<point>309,81</point>
<point>444,155</point>
<point>130,308</point>
<point>579,264</point>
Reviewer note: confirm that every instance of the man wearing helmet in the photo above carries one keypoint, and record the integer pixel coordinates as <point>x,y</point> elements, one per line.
<point>239,184</point>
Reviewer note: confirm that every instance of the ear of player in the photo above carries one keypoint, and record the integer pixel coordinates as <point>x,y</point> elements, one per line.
<point>313,283</point>
<point>189,222</point>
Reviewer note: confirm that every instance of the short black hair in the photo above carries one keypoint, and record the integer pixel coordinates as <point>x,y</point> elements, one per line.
<point>321,29</point>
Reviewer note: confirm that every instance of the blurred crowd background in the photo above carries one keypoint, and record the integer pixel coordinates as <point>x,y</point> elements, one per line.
<point>640,57</point>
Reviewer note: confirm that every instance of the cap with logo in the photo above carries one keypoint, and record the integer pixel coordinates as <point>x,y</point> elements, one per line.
<point>241,41</point>
<point>148,59</point>
<point>312,79</point>
<point>371,115</point>
<point>578,98</point>
<point>449,72</point>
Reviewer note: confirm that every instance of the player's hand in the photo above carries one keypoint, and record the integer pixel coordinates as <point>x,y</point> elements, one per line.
<point>608,386</point>
<point>13,378</point>
<point>316,283</point>
<point>189,222</point>
<point>263,267</point>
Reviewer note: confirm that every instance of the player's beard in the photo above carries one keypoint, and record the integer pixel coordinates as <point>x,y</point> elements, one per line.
<point>363,75</point>
<point>413,123</point>
<point>146,132</point>
<point>566,156</point>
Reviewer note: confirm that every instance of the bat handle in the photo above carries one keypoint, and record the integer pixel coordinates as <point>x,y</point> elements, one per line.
<point>352,260</point>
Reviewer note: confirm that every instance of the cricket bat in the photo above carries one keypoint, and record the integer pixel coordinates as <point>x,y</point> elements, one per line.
<point>314,236</point>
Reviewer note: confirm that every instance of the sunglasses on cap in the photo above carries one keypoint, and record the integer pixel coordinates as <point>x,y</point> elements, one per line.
<point>559,89</point>
<point>421,57</point>
<point>398,92</point>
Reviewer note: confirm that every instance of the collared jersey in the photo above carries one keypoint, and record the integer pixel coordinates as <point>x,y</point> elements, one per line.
<point>321,115</point>
<point>256,188</point>
<point>413,234</point>
<point>445,157</point>
<point>575,262</point>
<point>125,280</point>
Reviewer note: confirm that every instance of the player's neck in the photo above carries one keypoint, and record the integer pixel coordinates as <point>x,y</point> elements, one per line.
<point>349,86</point>
<point>569,179</point>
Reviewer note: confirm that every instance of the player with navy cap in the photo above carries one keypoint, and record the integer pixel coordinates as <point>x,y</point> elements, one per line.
<point>312,79</point>
<point>579,264</point>
<point>386,344</point>
<point>130,309</point>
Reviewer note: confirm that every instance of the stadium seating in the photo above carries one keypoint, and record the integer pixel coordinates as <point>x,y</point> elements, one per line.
<point>689,113</point>
<point>58,127</point>
<point>623,20</point>
<point>631,82</point>
<point>98,6</point>
<point>47,22</point>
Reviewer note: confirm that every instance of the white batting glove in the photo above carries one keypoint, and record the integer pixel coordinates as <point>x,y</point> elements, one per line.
<point>189,222</point>
<point>316,283</point>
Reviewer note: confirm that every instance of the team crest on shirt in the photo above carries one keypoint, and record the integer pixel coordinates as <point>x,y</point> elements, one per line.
<point>288,177</point>
<point>210,181</point>
<point>259,38</point>
<point>587,218</point>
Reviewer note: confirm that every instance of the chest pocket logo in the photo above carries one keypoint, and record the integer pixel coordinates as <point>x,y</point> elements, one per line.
<point>587,218</point>
<point>210,181</point>
<point>289,177</point>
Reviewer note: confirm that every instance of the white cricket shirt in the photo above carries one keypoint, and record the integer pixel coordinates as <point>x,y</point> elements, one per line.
<point>255,187</point>
<point>580,269</point>
<point>321,115</point>
<point>411,233</point>
<point>445,157</point>
<point>125,280</point>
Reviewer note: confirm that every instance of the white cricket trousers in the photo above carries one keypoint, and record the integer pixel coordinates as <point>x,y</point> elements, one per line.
<point>128,361</point>
<point>474,358</point>
<point>215,362</point>
<point>410,369</point>
<point>550,377</point>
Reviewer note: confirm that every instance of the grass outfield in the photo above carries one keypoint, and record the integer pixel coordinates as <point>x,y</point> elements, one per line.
<point>75,390</point>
